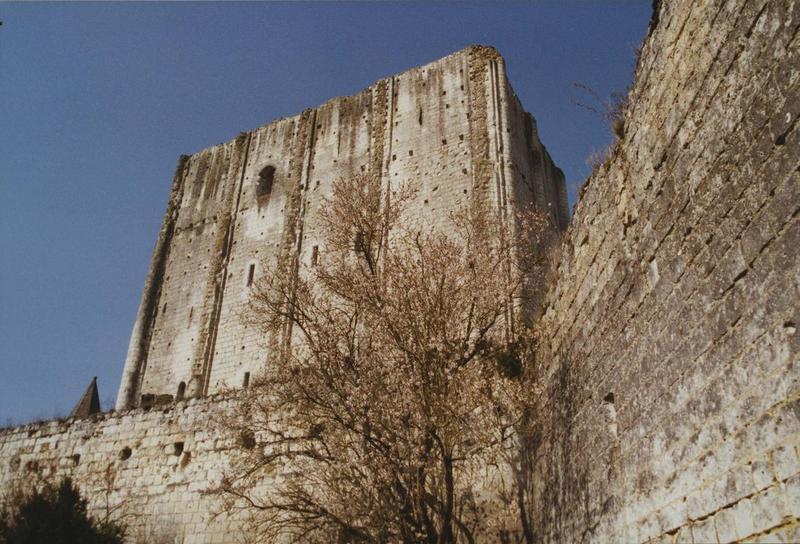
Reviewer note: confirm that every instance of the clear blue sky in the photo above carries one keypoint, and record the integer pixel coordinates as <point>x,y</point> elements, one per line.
<point>97,101</point>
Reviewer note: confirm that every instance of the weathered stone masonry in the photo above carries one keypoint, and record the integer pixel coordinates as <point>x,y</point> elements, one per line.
<point>670,409</point>
<point>147,468</point>
<point>454,129</point>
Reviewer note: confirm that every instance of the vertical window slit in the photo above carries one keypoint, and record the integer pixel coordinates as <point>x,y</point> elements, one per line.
<point>250,274</point>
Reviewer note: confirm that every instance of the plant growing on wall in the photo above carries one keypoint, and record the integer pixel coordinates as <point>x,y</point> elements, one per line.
<point>392,416</point>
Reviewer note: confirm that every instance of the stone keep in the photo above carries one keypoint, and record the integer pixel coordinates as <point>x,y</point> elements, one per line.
<point>453,129</point>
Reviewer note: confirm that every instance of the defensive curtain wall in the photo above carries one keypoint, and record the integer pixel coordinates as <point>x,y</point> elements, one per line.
<point>670,409</point>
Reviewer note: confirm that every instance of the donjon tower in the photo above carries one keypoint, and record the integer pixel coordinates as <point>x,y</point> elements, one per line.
<point>453,129</point>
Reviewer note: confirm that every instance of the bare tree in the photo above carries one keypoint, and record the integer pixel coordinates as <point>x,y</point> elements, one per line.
<point>392,415</point>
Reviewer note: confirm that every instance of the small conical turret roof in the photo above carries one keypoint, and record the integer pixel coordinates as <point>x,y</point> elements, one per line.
<point>89,403</point>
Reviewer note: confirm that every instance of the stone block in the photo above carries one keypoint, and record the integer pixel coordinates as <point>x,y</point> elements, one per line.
<point>743,519</point>
<point>725,526</point>
<point>769,508</point>
<point>762,473</point>
<point>673,516</point>
<point>683,536</point>
<point>785,462</point>
<point>790,533</point>
<point>704,531</point>
<point>791,490</point>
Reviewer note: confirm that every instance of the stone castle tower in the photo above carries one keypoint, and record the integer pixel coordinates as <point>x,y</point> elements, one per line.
<point>454,129</point>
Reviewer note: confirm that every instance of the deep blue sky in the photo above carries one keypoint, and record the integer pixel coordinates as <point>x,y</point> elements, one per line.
<point>97,101</point>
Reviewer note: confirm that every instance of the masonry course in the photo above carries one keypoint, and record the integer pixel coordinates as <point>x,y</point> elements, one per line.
<point>670,407</point>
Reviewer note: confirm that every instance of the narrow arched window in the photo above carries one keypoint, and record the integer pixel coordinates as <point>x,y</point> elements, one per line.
<point>265,180</point>
<point>181,391</point>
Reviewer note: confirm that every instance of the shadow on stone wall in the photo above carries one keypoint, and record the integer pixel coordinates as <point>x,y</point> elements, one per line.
<point>551,481</point>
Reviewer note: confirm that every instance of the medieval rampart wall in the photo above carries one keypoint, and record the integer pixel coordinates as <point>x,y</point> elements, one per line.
<point>672,408</point>
<point>147,469</point>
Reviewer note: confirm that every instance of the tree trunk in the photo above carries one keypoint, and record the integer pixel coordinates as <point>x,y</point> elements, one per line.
<point>446,536</point>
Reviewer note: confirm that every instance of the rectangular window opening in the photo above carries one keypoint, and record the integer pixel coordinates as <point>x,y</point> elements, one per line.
<point>246,380</point>
<point>314,255</point>
<point>250,274</point>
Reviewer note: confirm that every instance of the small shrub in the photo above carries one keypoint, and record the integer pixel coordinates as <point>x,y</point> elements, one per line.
<point>54,515</point>
<point>596,158</point>
<point>509,362</point>
<point>247,439</point>
<point>611,110</point>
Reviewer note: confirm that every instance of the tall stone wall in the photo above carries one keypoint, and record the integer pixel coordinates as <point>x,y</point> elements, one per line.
<point>453,129</point>
<point>671,409</point>
<point>147,469</point>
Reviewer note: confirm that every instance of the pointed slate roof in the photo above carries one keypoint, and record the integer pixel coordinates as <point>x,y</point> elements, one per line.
<point>89,403</point>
